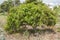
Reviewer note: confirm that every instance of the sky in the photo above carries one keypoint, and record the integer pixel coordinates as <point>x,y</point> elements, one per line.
<point>1,1</point>
<point>50,2</point>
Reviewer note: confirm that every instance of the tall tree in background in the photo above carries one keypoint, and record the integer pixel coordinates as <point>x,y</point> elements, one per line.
<point>29,1</point>
<point>17,2</point>
<point>6,5</point>
<point>35,1</point>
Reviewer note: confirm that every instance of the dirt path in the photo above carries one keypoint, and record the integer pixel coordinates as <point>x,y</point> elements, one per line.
<point>31,37</point>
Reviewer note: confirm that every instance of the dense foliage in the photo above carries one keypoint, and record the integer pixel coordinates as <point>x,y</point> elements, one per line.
<point>30,14</point>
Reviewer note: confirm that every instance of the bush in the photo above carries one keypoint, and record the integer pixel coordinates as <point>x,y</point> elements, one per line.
<point>29,14</point>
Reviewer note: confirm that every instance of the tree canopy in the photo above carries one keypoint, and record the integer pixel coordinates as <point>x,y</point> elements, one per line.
<point>30,14</point>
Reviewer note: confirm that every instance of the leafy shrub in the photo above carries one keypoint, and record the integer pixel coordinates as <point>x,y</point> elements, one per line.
<point>29,14</point>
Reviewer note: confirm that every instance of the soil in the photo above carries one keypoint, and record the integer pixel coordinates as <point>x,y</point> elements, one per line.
<point>46,36</point>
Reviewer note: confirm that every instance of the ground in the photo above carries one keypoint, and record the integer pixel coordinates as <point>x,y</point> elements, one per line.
<point>17,36</point>
<point>50,36</point>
